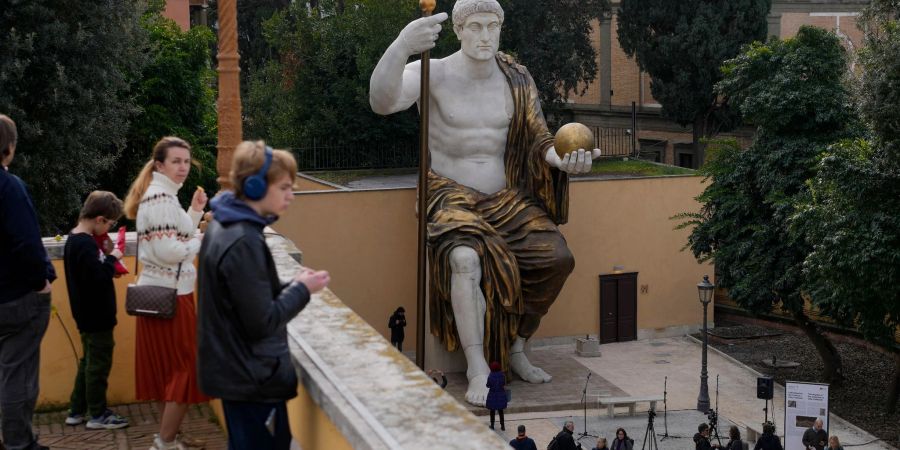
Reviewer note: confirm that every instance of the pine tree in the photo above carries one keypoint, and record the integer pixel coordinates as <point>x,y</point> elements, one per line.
<point>681,45</point>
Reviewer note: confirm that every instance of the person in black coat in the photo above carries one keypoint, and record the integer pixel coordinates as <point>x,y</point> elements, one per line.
<point>701,438</point>
<point>397,323</point>
<point>565,439</point>
<point>768,440</point>
<point>244,308</point>
<point>25,277</point>
<point>815,437</point>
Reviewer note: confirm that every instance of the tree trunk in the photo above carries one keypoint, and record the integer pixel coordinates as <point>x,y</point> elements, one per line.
<point>891,406</point>
<point>833,371</point>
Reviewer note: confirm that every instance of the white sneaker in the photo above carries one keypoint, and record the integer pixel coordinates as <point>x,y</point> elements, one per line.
<point>74,419</point>
<point>158,444</point>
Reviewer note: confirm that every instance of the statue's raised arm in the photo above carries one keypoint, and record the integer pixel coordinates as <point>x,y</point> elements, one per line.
<point>394,85</point>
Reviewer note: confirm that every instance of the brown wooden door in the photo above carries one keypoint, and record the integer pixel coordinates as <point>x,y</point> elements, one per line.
<point>618,307</point>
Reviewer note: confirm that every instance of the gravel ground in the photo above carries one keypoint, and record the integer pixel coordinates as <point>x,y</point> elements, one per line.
<point>860,399</point>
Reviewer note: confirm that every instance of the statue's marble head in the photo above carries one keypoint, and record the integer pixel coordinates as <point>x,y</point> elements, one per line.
<point>477,25</point>
<point>465,8</point>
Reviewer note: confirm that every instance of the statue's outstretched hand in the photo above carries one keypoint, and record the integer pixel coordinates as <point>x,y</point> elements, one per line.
<point>421,34</point>
<point>575,162</point>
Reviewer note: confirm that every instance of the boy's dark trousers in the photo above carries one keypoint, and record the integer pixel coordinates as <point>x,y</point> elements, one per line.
<point>89,393</point>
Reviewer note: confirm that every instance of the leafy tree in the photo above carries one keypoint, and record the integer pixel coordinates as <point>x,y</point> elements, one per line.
<point>176,97</point>
<point>681,45</point>
<point>65,76</point>
<point>792,90</point>
<point>851,218</point>
<point>318,86</point>
<point>553,39</point>
<point>852,225</point>
<point>254,49</point>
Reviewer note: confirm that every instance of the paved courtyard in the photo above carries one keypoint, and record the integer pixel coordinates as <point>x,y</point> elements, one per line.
<point>640,368</point>
<point>200,427</point>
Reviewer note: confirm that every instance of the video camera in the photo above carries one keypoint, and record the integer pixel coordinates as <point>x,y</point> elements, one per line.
<point>713,418</point>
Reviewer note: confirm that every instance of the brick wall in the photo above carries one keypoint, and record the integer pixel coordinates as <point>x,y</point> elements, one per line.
<point>791,23</point>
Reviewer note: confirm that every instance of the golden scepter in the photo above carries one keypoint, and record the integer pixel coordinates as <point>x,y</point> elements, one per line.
<point>427,7</point>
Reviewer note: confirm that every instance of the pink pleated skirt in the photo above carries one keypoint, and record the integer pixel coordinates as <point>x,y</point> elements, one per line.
<point>166,356</point>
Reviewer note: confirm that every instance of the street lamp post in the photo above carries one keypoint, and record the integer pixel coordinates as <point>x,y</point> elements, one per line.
<point>705,290</point>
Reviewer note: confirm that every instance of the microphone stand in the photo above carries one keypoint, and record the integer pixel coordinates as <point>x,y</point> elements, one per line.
<point>585,433</point>
<point>665,410</point>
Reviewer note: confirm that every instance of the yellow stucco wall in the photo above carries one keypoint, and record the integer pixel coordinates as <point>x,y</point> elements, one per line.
<point>305,183</point>
<point>311,428</point>
<point>367,240</point>
<point>58,365</point>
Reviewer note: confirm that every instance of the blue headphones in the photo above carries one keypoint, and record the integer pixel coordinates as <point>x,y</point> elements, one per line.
<point>255,186</point>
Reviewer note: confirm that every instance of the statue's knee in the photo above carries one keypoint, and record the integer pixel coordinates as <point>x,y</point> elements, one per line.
<point>565,260</point>
<point>464,260</point>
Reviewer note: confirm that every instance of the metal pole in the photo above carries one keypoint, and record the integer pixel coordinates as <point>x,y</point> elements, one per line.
<point>634,150</point>
<point>703,398</point>
<point>427,7</point>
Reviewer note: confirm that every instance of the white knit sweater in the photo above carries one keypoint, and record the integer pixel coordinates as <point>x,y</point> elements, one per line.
<point>166,237</point>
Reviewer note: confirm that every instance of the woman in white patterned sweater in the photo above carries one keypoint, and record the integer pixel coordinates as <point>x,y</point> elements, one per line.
<point>168,241</point>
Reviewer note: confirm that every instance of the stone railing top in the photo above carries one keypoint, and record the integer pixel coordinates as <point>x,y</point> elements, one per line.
<point>55,247</point>
<point>376,397</point>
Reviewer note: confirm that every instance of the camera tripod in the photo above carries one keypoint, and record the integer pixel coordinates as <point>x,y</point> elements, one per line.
<point>650,434</point>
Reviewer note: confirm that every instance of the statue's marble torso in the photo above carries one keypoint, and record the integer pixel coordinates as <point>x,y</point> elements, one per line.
<point>469,123</point>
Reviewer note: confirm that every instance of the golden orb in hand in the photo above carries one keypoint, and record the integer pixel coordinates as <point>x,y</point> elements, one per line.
<point>427,5</point>
<point>572,137</point>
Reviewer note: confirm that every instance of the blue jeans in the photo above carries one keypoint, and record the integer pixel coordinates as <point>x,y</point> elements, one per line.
<point>22,325</point>
<point>253,425</point>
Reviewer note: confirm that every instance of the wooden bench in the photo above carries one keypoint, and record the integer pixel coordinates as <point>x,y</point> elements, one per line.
<point>611,402</point>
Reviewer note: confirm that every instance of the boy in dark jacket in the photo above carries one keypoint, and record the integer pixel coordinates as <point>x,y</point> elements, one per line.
<point>92,297</point>
<point>243,308</point>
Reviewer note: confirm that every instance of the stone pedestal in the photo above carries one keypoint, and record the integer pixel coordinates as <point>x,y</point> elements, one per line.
<point>587,347</point>
<point>436,355</point>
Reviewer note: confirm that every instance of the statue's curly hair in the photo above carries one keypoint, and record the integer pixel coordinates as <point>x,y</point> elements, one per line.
<point>465,8</point>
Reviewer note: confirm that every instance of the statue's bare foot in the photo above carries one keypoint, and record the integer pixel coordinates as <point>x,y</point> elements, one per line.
<point>478,391</point>
<point>522,367</point>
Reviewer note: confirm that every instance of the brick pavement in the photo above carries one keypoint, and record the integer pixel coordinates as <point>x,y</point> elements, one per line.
<point>200,424</point>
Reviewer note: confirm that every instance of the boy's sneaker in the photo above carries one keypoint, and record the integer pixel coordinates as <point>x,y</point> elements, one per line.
<point>107,421</point>
<point>75,419</point>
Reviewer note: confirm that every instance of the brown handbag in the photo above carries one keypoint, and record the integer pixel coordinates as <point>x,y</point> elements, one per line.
<point>151,301</point>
